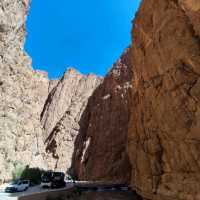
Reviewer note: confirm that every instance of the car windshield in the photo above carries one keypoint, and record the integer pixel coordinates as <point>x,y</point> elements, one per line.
<point>57,174</point>
<point>25,182</point>
<point>15,182</point>
<point>47,175</point>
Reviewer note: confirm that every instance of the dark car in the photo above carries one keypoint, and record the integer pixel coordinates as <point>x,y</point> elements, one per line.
<point>58,180</point>
<point>46,179</point>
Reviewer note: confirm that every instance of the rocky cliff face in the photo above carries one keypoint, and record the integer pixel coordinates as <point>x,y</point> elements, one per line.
<point>162,111</point>
<point>140,126</point>
<point>100,148</point>
<point>38,118</point>
<point>22,93</point>
<point>61,114</point>
<point>163,136</point>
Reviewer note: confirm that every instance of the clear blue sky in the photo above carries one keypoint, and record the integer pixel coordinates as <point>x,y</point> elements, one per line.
<point>89,35</point>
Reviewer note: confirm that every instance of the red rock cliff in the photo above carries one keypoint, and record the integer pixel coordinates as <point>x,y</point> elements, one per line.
<point>100,148</point>
<point>163,136</point>
<point>163,110</point>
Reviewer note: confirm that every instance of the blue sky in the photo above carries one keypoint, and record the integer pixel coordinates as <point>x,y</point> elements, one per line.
<point>89,35</point>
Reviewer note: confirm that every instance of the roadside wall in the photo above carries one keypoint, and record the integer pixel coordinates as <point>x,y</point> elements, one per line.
<point>51,195</point>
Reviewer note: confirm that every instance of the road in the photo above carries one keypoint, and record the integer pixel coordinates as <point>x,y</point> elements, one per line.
<point>31,191</point>
<point>38,193</point>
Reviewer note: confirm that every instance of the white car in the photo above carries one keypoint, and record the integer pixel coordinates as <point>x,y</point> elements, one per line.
<point>18,186</point>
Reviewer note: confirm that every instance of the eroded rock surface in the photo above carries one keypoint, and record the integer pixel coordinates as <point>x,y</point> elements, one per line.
<point>149,102</point>
<point>22,93</point>
<point>164,109</point>
<point>38,118</point>
<point>62,112</point>
<point>165,117</point>
<point>100,148</point>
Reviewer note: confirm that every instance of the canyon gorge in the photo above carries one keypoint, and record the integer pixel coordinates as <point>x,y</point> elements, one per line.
<point>138,126</point>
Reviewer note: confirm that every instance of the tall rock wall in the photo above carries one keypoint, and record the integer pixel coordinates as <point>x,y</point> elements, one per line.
<point>100,148</point>
<point>163,136</point>
<point>22,93</point>
<point>38,118</point>
<point>159,117</point>
<point>62,112</point>
<point>141,125</point>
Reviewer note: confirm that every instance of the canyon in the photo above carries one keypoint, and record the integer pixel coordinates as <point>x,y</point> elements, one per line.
<point>35,113</point>
<point>138,126</point>
<point>157,121</point>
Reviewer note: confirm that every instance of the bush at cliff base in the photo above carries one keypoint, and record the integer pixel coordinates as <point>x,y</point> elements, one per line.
<point>18,170</point>
<point>32,174</point>
<point>24,172</point>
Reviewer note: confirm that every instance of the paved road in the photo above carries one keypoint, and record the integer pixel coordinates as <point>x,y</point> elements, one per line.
<point>38,191</point>
<point>30,191</point>
<point>4,196</point>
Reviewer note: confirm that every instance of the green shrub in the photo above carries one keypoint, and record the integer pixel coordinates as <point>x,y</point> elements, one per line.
<point>32,174</point>
<point>22,172</point>
<point>18,171</point>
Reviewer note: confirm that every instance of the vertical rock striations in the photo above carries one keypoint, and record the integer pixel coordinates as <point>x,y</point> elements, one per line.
<point>61,114</point>
<point>38,118</point>
<point>163,110</point>
<point>100,148</point>
<point>141,124</point>
<point>22,93</point>
<point>163,141</point>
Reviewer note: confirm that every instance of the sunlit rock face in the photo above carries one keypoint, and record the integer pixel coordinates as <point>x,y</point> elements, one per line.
<point>163,136</point>
<point>141,124</point>
<point>22,93</point>
<point>100,148</point>
<point>38,118</point>
<point>161,108</point>
<point>60,118</point>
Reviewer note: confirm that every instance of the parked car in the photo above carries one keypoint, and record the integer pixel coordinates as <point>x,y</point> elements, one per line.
<point>18,186</point>
<point>53,180</point>
<point>58,180</point>
<point>46,179</point>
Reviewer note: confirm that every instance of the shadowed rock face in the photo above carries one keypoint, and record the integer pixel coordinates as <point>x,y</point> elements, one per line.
<point>163,136</point>
<point>100,148</point>
<point>62,111</point>
<point>22,93</point>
